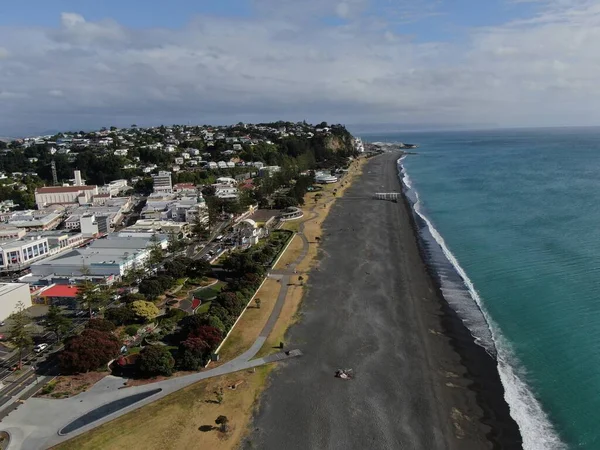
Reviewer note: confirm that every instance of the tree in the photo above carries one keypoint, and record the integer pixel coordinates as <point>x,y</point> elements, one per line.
<point>155,360</point>
<point>88,351</point>
<point>19,334</point>
<point>223,423</point>
<point>211,335</point>
<point>92,295</point>
<point>257,301</point>
<point>144,311</point>
<point>151,288</point>
<point>101,325</point>
<point>120,316</point>
<point>56,322</point>
<point>219,395</point>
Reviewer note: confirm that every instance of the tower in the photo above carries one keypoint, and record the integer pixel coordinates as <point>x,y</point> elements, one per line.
<point>54,175</point>
<point>78,181</point>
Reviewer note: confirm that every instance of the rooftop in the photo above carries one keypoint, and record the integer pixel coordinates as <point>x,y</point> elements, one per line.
<point>61,189</point>
<point>7,288</point>
<point>60,290</point>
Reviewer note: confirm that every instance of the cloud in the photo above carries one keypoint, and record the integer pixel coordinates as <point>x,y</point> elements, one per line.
<point>541,70</point>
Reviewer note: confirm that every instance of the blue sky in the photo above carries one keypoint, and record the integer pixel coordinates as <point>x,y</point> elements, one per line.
<point>67,63</point>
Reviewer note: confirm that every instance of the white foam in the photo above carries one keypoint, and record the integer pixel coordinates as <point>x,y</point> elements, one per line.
<point>535,427</point>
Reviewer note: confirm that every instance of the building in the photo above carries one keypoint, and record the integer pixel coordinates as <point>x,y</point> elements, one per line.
<point>12,294</point>
<point>180,229</point>
<point>58,294</point>
<point>325,178</point>
<point>185,188</point>
<point>108,257</point>
<point>35,220</point>
<point>19,253</point>
<point>225,191</point>
<point>114,187</point>
<point>162,182</point>
<point>11,233</point>
<point>64,195</point>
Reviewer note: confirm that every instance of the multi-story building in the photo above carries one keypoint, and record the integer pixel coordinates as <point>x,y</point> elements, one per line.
<point>162,182</point>
<point>19,253</point>
<point>111,256</point>
<point>35,220</point>
<point>64,195</point>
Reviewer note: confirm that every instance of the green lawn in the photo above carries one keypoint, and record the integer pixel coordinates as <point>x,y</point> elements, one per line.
<point>204,307</point>
<point>210,292</point>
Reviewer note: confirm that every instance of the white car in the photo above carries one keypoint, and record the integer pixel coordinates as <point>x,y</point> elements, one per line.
<point>40,347</point>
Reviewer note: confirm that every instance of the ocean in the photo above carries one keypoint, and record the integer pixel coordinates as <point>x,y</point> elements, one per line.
<point>510,221</point>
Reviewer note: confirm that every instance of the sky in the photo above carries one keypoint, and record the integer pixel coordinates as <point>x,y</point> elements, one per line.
<point>84,64</point>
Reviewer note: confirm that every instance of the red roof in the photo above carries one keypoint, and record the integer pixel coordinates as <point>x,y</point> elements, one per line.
<point>61,291</point>
<point>184,186</point>
<point>59,189</point>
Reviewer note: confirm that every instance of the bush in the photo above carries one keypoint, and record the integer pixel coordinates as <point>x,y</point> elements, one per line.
<point>120,316</point>
<point>132,297</point>
<point>188,361</point>
<point>88,351</point>
<point>155,360</point>
<point>144,311</point>
<point>131,330</point>
<point>101,325</point>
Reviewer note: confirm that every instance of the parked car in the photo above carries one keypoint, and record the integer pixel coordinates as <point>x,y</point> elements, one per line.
<point>40,347</point>
<point>2,323</point>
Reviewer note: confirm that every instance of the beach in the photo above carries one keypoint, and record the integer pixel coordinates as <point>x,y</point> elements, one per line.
<point>419,380</point>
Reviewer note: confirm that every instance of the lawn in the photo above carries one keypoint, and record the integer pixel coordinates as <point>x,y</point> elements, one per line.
<point>210,292</point>
<point>204,307</point>
<point>183,419</point>
<point>291,254</point>
<point>252,322</point>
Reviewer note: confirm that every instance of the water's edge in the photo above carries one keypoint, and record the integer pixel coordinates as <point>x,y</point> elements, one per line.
<point>510,408</point>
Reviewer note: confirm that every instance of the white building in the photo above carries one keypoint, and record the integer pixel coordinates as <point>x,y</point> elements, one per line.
<point>18,253</point>
<point>225,191</point>
<point>325,178</point>
<point>10,295</point>
<point>227,181</point>
<point>113,255</point>
<point>162,182</point>
<point>64,195</point>
<point>114,187</point>
<point>35,220</point>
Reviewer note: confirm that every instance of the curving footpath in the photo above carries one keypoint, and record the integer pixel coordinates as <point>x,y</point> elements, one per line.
<point>36,423</point>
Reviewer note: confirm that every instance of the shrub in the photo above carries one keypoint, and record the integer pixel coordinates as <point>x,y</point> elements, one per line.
<point>88,351</point>
<point>131,330</point>
<point>155,360</point>
<point>144,311</point>
<point>101,325</point>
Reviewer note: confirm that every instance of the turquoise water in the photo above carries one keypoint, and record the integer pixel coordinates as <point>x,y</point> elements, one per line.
<point>520,212</point>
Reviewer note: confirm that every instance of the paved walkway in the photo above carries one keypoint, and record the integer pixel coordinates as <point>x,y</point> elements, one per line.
<point>35,424</point>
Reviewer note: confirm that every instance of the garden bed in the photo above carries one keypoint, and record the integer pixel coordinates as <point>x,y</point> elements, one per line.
<point>68,386</point>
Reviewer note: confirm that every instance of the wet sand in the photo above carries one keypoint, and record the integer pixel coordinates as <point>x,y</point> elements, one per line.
<point>420,381</point>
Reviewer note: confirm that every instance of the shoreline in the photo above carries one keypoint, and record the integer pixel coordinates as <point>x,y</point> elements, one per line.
<point>421,380</point>
<point>481,367</point>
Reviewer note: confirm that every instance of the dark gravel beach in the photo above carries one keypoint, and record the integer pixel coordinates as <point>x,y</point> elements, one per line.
<point>419,380</point>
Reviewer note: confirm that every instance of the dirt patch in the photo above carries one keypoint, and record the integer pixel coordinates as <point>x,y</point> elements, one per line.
<point>66,386</point>
<point>184,419</point>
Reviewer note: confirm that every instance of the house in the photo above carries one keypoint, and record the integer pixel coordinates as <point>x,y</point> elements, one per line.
<point>185,155</point>
<point>120,152</point>
<point>179,161</point>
